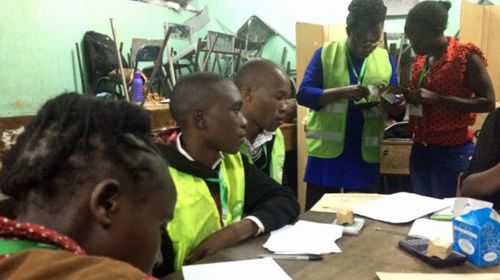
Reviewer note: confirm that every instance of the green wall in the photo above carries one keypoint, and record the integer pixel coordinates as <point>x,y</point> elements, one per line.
<point>38,56</point>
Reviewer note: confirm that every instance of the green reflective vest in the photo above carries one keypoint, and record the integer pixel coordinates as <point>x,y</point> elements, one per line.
<point>275,170</point>
<point>325,131</point>
<point>196,215</point>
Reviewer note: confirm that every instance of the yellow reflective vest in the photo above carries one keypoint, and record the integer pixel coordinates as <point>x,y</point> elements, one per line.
<point>196,215</point>
<point>325,131</point>
<point>277,156</point>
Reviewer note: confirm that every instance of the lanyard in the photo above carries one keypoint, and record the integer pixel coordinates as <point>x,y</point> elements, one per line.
<point>11,246</point>
<point>223,196</point>
<point>264,149</point>
<point>423,72</point>
<point>361,75</point>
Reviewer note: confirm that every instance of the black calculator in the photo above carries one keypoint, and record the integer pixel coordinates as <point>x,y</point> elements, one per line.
<point>418,248</point>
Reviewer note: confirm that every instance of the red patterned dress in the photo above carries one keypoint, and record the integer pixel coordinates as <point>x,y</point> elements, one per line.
<point>442,143</point>
<point>54,256</point>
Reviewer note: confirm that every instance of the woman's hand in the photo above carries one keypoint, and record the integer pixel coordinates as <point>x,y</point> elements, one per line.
<point>422,96</point>
<point>355,93</point>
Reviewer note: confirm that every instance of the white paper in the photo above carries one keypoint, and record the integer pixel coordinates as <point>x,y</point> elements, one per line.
<point>330,202</point>
<point>305,238</point>
<point>431,229</point>
<point>264,268</point>
<point>448,210</point>
<point>464,205</point>
<point>401,207</point>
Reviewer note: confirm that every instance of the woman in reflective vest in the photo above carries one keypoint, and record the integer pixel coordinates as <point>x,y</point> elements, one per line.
<point>344,130</point>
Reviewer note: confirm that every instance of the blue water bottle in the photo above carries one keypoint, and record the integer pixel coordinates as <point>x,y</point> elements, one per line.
<point>137,88</point>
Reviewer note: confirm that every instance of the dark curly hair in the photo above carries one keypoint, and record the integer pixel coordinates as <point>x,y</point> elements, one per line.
<point>430,16</point>
<point>69,143</point>
<point>365,11</point>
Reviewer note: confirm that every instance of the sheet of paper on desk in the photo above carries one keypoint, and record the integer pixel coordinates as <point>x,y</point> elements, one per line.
<point>436,276</point>
<point>446,213</point>
<point>430,229</point>
<point>330,202</point>
<point>305,238</point>
<point>401,207</point>
<point>265,268</point>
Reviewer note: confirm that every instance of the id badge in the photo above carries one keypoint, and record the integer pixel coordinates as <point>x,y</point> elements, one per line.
<point>415,110</point>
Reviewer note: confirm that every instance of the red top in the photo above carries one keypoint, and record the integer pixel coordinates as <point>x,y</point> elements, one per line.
<point>11,229</point>
<point>442,125</point>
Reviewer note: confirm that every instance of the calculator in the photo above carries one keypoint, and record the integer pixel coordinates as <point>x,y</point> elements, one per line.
<point>418,248</point>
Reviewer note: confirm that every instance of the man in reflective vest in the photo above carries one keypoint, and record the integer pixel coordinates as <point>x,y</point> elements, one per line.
<point>221,198</point>
<point>264,88</point>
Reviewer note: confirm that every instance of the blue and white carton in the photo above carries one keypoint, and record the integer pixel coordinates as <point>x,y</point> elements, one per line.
<point>476,233</point>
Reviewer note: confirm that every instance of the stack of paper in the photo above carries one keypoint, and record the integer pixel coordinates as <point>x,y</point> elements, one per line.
<point>265,268</point>
<point>355,228</point>
<point>430,229</point>
<point>401,207</point>
<point>445,214</point>
<point>305,238</point>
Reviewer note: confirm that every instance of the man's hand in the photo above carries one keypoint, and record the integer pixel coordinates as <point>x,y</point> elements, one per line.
<point>222,239</point>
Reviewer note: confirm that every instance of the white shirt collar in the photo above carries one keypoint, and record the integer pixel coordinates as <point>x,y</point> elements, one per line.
<point>262,138</point>
<point>188,156</point>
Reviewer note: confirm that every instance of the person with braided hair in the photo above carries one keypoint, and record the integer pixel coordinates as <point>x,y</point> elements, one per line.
<point>90,190</point>
<point>449,85</point>
<point>344,139</point>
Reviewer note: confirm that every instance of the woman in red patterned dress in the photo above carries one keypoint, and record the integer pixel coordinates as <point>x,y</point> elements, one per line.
<point>449,84</point>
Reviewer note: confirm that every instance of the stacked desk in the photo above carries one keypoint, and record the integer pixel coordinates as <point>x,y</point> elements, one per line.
<point>362,256</point>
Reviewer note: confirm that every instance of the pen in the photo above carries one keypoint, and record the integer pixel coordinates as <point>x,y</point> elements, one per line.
<point>390,231</point>
<point>302,257</point>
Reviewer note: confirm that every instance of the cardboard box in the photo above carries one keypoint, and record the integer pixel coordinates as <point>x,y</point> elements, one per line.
<point>476,234</point>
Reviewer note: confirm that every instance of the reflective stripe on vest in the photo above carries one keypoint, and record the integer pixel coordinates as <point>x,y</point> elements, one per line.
<point>278,157</point>
<point>275,171</point>
<point>326,127</point>
<point>196,215</point>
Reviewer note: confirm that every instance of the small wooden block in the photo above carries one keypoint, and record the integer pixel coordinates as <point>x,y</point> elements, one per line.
<point>345,216</point>
<point>439,248</point>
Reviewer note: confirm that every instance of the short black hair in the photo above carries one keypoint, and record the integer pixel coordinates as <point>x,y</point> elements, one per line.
<point>430,16</point>
<point>70,140</point>
<point>365,11</point>
<point>253,72</point>
<point>194,92</point>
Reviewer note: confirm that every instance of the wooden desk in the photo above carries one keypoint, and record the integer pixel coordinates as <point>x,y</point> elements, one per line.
<point>289,131</point>
<point>395,157</point>
<point>162,118</point>
<point>361,256</point>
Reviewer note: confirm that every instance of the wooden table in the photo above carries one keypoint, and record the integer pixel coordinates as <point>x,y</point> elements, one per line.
<point>161,118</point>
<point>362,256</point>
